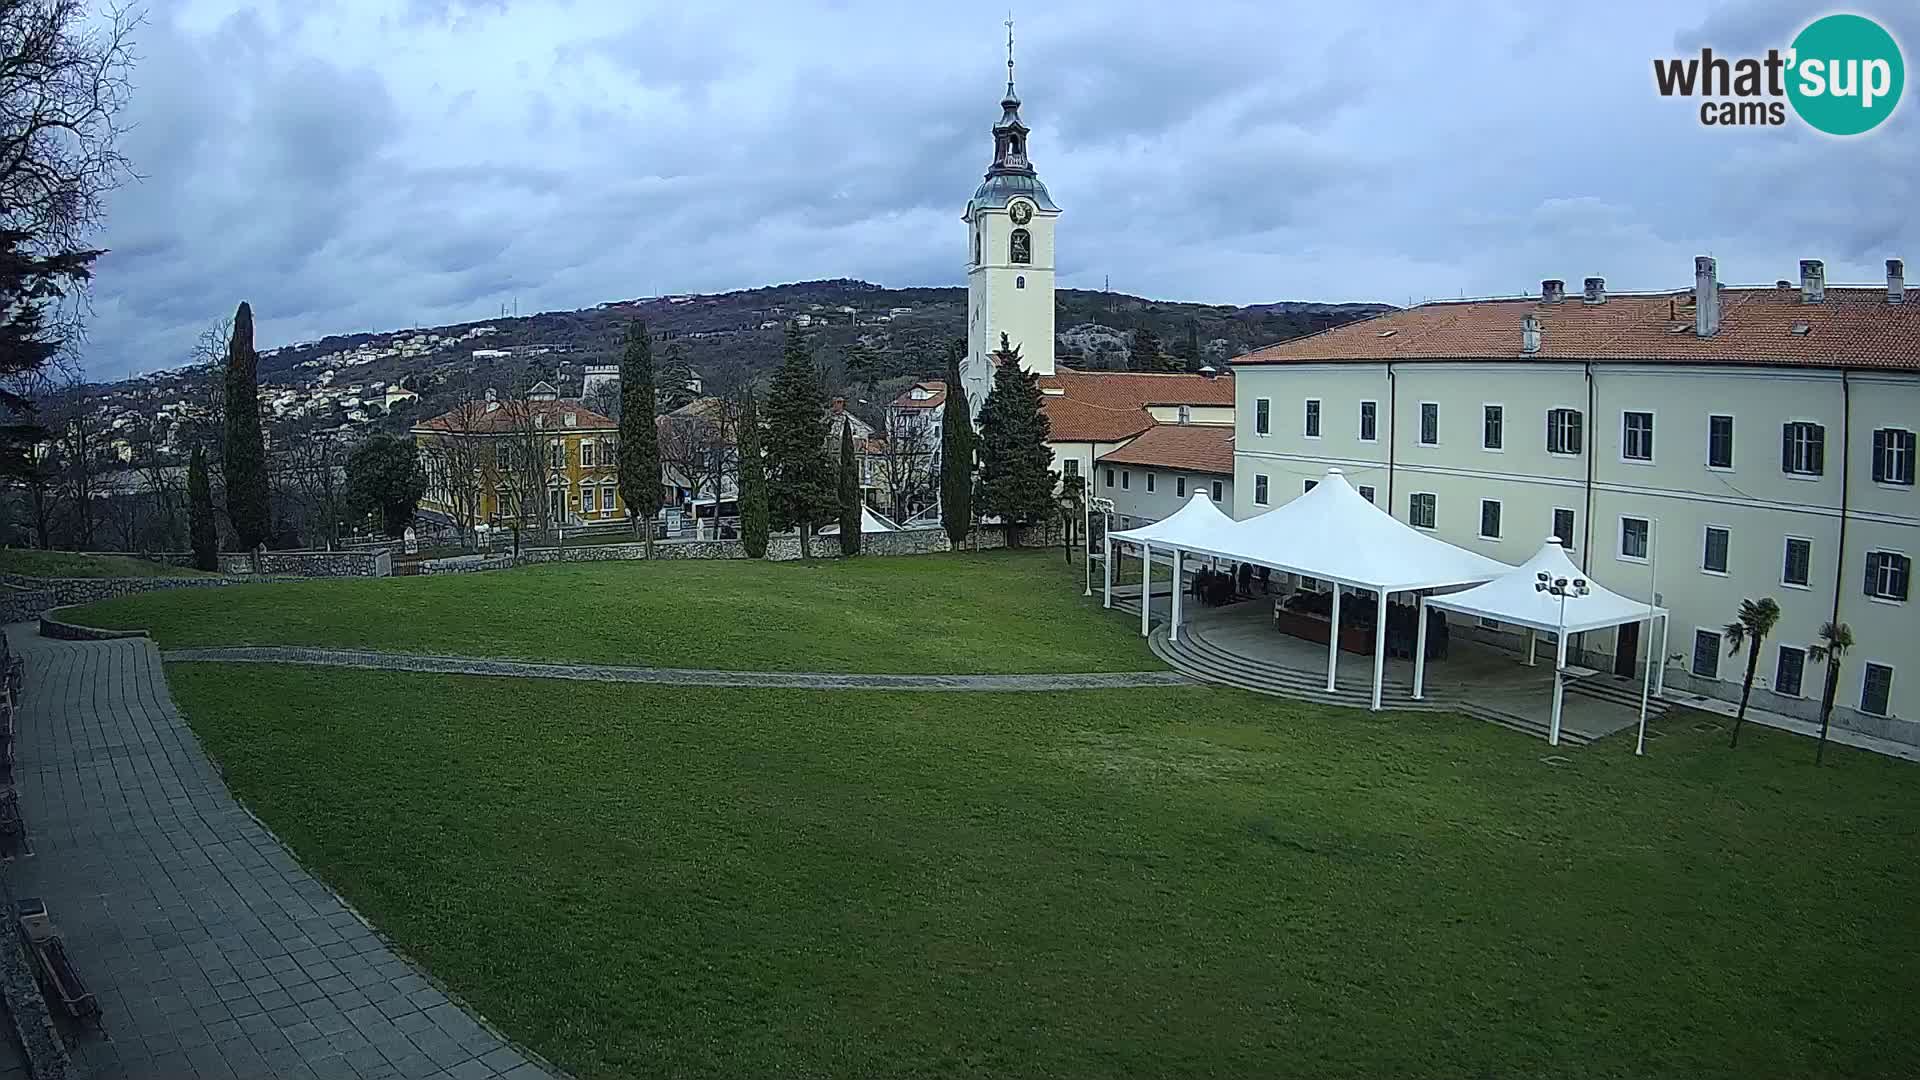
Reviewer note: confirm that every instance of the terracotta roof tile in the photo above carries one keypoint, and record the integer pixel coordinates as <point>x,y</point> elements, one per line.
<point>1852,328</point>
<point>934,401</point>
<point>472,418</point>
<point>1072,420</point>
<point>1199,447</point>
<point>1138,389</point>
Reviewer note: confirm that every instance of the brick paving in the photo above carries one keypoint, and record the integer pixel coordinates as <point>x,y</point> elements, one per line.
<point>785,680</point>
<point>213,953</point>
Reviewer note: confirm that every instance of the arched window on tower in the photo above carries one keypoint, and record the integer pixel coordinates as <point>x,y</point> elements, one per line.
<point>976,246</point>
<point>1020,282</point>
<point>1022,246</point>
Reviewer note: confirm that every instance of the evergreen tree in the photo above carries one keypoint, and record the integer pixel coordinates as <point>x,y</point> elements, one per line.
<point>850,502</point>
<point>753,482</point>
<point>956,453</point>
<point>639,438</point>
<point>200,524</point>
<point>32,287</point>
<point>385,477</point>
<point>1016,483</point>
<point>1145,354</point>
<point>246,461</point>
<point>800,485</point>
<point>674,377</point>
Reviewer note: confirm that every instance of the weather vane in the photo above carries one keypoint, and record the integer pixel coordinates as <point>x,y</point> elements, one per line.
<point>1009,46</point>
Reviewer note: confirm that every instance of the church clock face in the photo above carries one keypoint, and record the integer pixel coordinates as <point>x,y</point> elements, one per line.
<point>1022,212</point>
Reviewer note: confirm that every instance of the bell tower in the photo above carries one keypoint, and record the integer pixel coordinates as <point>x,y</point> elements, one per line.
<point>1009,255</point>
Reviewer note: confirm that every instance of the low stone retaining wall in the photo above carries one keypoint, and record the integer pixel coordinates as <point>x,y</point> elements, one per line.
<point>53,626</point>
<point>65,592</point>
<point>369,562</point>
<point>20,603</point>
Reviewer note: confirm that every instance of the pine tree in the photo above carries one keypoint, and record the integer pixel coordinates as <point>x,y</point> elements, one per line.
<point>639,438</point>
<point>246,463</point>
<point>849,494</point>
<point>674,377</point>
<point>1016,482</point>
<point>800,485</point>
<point>956,453</point>
<point>753,482</point>
<point>1145,354</point>
<point>206,536</point>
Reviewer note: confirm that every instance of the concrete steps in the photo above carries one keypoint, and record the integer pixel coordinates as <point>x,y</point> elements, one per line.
<point>1200,659</point>
<point>1617,691</point>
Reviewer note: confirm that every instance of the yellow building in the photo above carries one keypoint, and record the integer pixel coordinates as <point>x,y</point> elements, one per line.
<point>558,459</point>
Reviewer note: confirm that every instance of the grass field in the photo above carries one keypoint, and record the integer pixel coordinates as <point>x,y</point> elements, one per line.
<point>998,612</point>
<point>1180,882</point>
<point>70,564</point>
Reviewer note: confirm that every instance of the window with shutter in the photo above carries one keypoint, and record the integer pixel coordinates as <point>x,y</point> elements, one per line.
<point>1790,672</point>
<point>1893,452</point>
<point>1803,449</point>
<point>1876,689</point>
<point>1887,575</point>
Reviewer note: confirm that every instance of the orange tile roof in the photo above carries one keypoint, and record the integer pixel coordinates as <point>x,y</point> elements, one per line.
<point>502,420</point>
<point>1138,389</point>
<point>1851,328</point>
<point>935,401</point>
<point>1199,447</point>
<point>1073,420</point>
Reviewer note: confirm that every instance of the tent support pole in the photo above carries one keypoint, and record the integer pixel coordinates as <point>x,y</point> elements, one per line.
<point>1106,572</point>
<point>1559,686</point>
<point>1420,652</point>
<point>1333,640</point>
<point>1173,630</point>
<point>1379,644</point>
<point>1660,670</point>
<point>1646,685</point>
<point>1533,639</point>
<point>1146,586</point>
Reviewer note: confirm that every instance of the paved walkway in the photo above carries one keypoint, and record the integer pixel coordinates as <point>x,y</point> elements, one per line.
<point>212,952</point>
<point>783,680</point>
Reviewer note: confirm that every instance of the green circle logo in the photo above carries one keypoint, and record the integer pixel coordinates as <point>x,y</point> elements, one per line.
<point>1846,76</point>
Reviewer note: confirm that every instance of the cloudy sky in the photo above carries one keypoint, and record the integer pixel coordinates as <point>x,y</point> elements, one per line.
<point>373,164</point>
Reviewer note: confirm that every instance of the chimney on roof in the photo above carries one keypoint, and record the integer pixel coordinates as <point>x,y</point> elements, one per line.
<point>1596,291</point>
<point>1896,281</point>
<point>1553,290</point>
<point>1530,335</point>
<point>1706,297</point>
<point>1813,281</point>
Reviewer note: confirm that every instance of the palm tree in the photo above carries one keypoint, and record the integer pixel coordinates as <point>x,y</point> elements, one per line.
<point>1749,628</point>
<point>1835,640</point>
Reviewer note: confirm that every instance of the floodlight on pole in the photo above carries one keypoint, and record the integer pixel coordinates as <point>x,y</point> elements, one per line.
<point>1562,588</point>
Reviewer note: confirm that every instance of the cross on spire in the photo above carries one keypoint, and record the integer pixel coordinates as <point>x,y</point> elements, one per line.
<point>1009,52</point>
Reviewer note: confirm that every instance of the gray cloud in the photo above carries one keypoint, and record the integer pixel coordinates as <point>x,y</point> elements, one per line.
<point>366,164</point>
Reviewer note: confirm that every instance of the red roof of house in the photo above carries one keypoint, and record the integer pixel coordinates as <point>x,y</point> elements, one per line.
<point>935,400</point>
<point>1073,420</point>
<point>475,418</point>
<point>1851,328</point>
<point>1204,448</point>
<point>1109,406</point>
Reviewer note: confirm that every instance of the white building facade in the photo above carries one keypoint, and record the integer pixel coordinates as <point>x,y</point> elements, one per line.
<point>1757,444</point>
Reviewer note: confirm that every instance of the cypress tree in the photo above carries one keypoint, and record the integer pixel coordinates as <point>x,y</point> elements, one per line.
<point>1016,481</point>
<point>956,453</point>
<point>246,464</point>
<point>800,487</point>
<point>753,482</point>
<point>200,524</point>
<point>639,438</point>
<point>849,494</point>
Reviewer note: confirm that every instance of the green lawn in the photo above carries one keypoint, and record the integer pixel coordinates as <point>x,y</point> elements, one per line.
<point>68,564</point>
<point>993,612</point>
<point>1177,882</point>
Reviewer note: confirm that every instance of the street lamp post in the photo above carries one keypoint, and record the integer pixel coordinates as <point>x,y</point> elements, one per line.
<point>1562,588</point>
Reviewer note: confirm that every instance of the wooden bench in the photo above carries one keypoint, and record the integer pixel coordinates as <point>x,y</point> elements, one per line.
<point>57,975</point>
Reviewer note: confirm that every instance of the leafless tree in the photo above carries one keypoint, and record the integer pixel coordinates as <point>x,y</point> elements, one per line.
<point>315,472</point>
<point>903,463</point>
<point>523,469</point>
<point>696,450</point>
<point>452,457</point>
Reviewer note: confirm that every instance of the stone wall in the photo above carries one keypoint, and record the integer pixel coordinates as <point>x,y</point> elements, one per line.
<point>21,603</point>
<point>61,592</point>
<point>318,564</point>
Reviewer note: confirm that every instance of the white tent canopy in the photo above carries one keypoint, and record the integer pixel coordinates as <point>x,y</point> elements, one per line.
<point>1524,597</point>
<point>870,522</point>
<point>1331,532</point>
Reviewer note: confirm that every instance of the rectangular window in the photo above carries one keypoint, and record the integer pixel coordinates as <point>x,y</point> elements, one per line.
<point>1876,689</point>
<point>586,455</point>
<point>1493,421</point>
<point>1149,481</point>
<point>1803,449</point>
<point>1799,562</point>
<point>1259,489</point>
<point>1313,418</point>
<point>1563,431</point>
<point>1789,672</point>
<point>1310,485</point>
<point>559,456</point>
<point>1893,456</point>
<point>1366,492</point>
<point>606,498</point>
<point>1633,538</point>
<point>1714,558</point>
<point>1072,466</point>
<point>1429,423</point>
<point>1218,490</point>
<point>1179,487</point>
<point>1706,654</point>
<point>1489,519</point>
<point>1887,574</point>
<point>1636,436</point>
<point>1369,421</point>
<point>1563,527</point>
<point>1185,415</point>
<point>1109,478</point>
<point>1422,510</point>
<point>1126,479</point>
<point>586,500</point>
<point>1489,624</point>
<point>1720,442</point>
<point>1262,420</point>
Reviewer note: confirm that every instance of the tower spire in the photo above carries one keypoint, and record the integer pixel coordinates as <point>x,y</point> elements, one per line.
<point>1010,134</point>
<point>1010,94</point>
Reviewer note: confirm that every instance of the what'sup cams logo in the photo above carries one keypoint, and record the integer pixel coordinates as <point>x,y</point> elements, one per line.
<point>1842,75</point>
